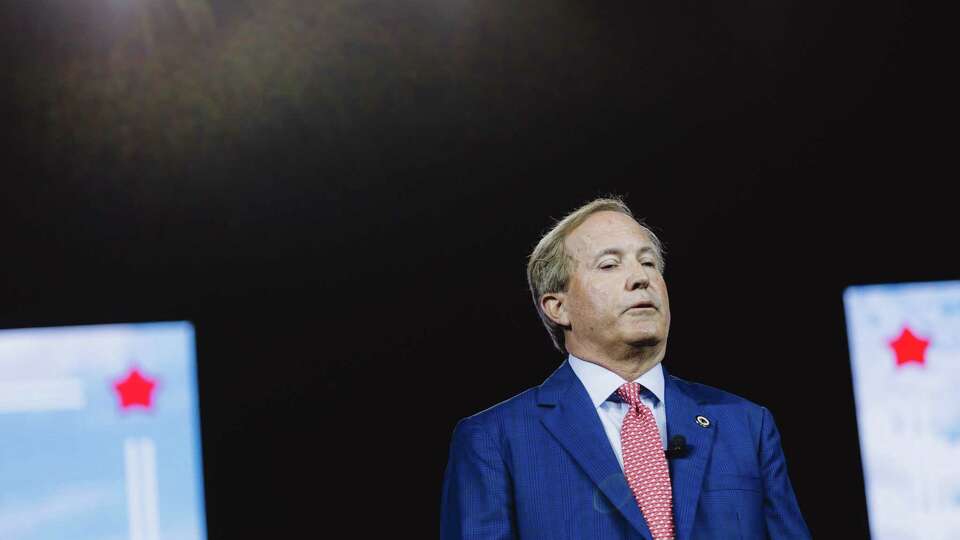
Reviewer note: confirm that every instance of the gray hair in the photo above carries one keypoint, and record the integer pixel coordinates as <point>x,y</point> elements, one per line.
<point>549,265</point>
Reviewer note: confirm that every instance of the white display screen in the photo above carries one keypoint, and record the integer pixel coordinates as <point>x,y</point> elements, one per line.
<point>905,355</point>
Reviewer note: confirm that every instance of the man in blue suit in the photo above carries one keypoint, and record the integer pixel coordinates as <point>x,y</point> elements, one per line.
<point>580,457</point>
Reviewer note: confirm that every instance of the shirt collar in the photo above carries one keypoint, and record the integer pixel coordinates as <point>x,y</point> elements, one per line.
<point>600,382</point>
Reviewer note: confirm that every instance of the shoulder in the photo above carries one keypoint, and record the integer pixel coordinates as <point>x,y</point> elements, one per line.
<point>515,420</point>
<point>518,411</point>
<point>726,407</point>
<point>711,395</point>
<point>495,416</point>
<point>492,431</point>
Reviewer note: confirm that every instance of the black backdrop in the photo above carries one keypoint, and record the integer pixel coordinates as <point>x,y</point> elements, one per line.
<point>341,198</point>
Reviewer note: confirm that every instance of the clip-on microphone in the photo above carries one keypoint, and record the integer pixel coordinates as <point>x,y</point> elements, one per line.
<point>677,447</point>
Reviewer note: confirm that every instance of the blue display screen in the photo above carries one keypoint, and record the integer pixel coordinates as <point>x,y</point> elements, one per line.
<point>100,433</point>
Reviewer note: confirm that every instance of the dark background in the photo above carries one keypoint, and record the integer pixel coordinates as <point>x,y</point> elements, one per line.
<point>341,196</point>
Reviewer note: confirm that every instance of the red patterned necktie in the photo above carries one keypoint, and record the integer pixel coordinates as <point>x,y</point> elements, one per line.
<point>645,465</point>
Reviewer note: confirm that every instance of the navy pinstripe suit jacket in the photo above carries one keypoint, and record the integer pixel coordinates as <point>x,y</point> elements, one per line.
<point>539,466</point>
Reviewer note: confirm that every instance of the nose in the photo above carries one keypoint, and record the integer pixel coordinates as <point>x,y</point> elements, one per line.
<point>638,278</point>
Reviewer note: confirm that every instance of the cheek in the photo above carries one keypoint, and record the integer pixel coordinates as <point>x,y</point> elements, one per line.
<point>664,295</point>
<point>588,303</point>
<point>600,299</point>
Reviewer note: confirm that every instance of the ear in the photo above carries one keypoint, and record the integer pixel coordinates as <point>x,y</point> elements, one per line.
<point>554,306</point>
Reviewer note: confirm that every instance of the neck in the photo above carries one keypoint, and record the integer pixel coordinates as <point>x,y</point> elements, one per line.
<point>629,362</point>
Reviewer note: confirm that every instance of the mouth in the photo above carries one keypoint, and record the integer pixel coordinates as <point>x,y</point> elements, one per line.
<point>641,306</point>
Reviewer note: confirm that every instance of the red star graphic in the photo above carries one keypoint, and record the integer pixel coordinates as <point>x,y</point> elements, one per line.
<point>909,348</point>
<point>135,390</point>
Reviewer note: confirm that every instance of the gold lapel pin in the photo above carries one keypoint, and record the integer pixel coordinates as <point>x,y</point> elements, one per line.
<point>703,421</point>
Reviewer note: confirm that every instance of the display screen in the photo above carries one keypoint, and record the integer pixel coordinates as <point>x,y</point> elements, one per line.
<point>905,356</point>
<point>100,433</point>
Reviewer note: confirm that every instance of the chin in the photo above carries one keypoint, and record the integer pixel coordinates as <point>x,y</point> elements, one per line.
<point>645,340</point>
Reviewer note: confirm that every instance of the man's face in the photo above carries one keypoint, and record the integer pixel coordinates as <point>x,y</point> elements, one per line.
<point>616,295</point>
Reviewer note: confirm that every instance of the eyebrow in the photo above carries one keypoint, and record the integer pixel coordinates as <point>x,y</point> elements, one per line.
<point>618,251</point>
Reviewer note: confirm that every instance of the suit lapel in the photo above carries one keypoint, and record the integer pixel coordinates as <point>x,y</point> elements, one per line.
<point>686,473</point>
<point>570,416</point>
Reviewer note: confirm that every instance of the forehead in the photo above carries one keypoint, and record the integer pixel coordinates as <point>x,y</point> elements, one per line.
<point>604,230</point>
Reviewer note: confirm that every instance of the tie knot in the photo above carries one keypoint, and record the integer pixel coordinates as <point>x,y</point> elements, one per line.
<point>630,392</point>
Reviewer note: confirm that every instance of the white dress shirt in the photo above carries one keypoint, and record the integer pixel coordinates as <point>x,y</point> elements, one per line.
<point>602,385</point>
